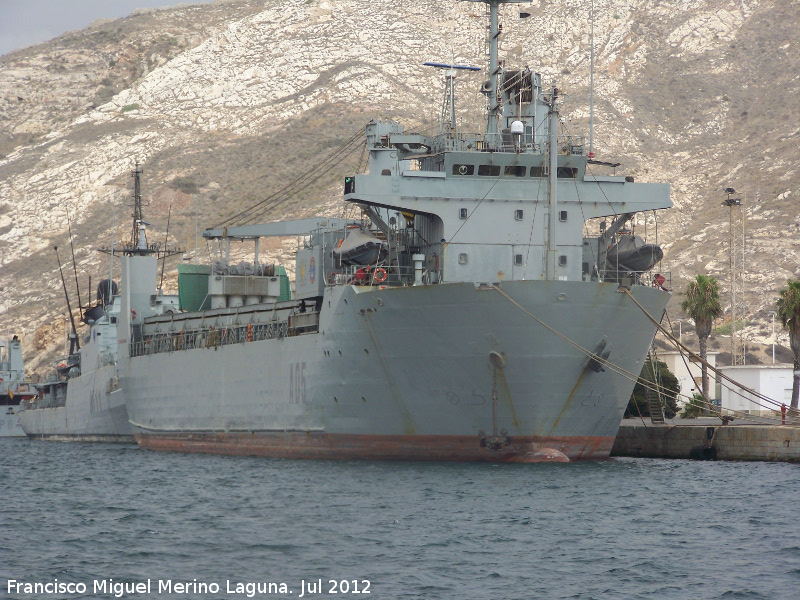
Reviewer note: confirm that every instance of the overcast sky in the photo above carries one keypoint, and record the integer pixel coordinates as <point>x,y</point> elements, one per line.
<point>27,22</point>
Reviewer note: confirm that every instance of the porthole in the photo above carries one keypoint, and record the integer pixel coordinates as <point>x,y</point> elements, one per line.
<point>463,169</point>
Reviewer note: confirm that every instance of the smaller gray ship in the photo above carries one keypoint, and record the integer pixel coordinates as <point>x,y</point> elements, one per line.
<point>83,399</point>
<point>14,387</point>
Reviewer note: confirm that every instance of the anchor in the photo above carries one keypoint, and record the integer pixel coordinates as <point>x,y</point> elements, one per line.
<point>495,441</point>
<point>598,358</point>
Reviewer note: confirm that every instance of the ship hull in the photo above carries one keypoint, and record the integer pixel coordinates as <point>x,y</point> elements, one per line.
<point>94,411</point>
<point>407,373</point>
<point>9,421</point>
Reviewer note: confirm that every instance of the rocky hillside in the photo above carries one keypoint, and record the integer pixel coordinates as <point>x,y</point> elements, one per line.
<point>225,103</point>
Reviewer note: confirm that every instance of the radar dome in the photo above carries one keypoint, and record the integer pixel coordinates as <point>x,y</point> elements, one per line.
<point>105,290</point>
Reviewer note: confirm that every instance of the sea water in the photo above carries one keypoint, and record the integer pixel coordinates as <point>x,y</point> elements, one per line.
<point>113,521</point>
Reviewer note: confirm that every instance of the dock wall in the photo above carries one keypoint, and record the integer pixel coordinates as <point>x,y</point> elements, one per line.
<point>729,442</point>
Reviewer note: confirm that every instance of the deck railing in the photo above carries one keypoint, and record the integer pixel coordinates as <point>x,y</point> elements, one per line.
<point>212,337</point>
<point>380,276</point>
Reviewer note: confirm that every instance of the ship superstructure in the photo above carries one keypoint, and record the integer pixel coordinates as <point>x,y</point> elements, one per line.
<point>15,387</point>
<point>468,317</point>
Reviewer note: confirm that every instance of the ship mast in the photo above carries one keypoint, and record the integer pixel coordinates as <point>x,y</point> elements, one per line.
<point>447,119</point>
<point>138,246</point>
<point>553,181</point>
<point>495,103</point>
<point>138,237</point>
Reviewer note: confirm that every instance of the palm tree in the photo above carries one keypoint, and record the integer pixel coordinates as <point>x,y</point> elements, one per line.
<point>789,312</point>
<point>703,306</point>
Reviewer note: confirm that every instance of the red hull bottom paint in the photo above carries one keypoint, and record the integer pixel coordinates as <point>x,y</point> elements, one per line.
<point>380,447</point>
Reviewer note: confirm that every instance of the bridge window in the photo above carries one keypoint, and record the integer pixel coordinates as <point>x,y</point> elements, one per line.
<point>518,259</point>
<point>463,169</point>
<point>518,214</point>
<point>562,260</point>
<point>462,258</point>
<point>514,171</point>
<point>462,213</point>
<point>489,170</point>
<point>562,216</point>
<point>538,172</point>
<point>567,172</point>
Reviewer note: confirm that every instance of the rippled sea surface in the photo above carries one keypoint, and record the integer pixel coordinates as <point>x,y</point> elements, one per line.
<point>617,529</point>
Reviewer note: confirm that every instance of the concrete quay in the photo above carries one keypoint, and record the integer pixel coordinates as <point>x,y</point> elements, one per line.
<point>707,439</point>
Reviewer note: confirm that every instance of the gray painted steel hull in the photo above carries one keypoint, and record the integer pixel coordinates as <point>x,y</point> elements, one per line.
<point>91,413</point>
<point>404,373</point>
<point>9,422</point>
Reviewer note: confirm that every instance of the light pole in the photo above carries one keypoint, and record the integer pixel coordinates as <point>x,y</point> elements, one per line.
<point>772,314</point>
<point>730,203</point>
<point>679,321</point>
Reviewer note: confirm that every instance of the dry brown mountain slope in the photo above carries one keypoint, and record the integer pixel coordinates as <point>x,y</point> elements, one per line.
<point>225,103</point>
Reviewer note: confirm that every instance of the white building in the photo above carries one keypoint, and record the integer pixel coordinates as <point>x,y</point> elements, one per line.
<point>689,374</point>
<point>772,381</point>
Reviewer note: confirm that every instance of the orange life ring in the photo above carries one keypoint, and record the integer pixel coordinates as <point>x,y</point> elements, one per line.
<point>380,275</point>
<point>249,332</point>
<point>133,314</point>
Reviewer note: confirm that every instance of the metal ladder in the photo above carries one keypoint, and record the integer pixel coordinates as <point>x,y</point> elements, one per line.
<point>654,396</point>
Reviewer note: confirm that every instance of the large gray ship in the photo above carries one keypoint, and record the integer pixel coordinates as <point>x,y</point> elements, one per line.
<point>469,316</point>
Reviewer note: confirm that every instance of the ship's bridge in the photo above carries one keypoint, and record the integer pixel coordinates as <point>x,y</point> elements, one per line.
<point>483,213</point>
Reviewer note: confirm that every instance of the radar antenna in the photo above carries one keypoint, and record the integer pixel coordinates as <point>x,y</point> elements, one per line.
<point>492,89</point>
<point>447,118</point>
<point>138,246</point>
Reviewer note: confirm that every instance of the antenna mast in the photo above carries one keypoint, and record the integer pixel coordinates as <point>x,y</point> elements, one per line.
<point>164,259</point>
<point>74,267</point>
<point>447,118</point>
<point>137,205</point>
<point>74,342</point>
<point>591,82</point>
<point>495,101</point>
<point>736,267</point>
<point>138,245</point>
